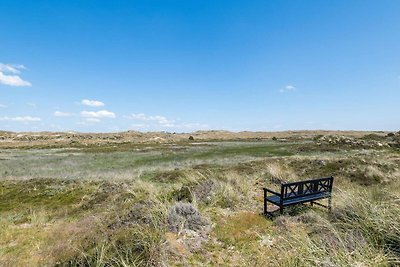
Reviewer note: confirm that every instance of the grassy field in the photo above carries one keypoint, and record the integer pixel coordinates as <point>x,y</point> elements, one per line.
<point>192,203</point>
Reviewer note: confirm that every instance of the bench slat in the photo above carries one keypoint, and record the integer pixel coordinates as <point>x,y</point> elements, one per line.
<point>276,199</point>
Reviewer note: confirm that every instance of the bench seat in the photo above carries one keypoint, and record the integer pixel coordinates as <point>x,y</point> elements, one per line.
<point>306,198</point>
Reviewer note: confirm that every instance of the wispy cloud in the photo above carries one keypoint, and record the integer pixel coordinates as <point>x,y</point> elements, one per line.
<point>98,114</point>
<point>159,122</point>
<point>157,119</point>
<point>3,106</point>
<point>20,119</point>
<point>91,117</point>
<point>9,75</point>
<point>288,88</point>
<point>11,68</point>
<point>62,114</point>
<point>92,103</point>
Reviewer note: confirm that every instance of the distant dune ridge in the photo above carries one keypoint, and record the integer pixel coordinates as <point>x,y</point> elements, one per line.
<point>16,139</point>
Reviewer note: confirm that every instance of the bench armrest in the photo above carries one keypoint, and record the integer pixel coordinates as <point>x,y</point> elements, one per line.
<point>272,192</point>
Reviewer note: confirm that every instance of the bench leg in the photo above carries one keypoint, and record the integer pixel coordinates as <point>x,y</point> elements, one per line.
<point>312,203</point>
<point>265,203</point>
<point>265,208</point>
<point>330,203</point>
<point>281,209</point>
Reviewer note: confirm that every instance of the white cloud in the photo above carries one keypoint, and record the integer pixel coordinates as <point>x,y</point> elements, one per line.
<point>62,114</point>
<point>3,106</point>
<point>161,120</point>
<point>98,114</point>
<point>288,88</point>
<point>92,103</point>
<point>9,68</point>
<point>13,80</point>
<point>20,119</point>
<point>8,75</point>
<point>91,117</point>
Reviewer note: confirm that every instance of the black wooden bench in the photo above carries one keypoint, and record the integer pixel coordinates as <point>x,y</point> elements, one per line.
<point>300,192</point>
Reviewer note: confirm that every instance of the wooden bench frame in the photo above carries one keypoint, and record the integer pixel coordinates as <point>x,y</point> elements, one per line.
<point>300,192</point>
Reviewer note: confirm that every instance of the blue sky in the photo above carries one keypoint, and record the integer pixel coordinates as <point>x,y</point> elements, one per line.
<point>186,65</point>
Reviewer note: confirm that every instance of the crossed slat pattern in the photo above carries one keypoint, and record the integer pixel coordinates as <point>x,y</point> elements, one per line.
<point>307,188</point>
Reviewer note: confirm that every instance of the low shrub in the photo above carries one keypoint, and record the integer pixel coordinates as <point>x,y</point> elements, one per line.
<point>185,216</point>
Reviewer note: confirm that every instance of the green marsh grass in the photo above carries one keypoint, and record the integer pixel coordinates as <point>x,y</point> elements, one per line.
<point>108,206</point>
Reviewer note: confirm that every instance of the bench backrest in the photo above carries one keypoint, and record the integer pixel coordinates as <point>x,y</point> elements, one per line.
<point>309,187</point>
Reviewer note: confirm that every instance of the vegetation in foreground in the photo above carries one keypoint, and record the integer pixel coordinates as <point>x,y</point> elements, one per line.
<point>191,203</point>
